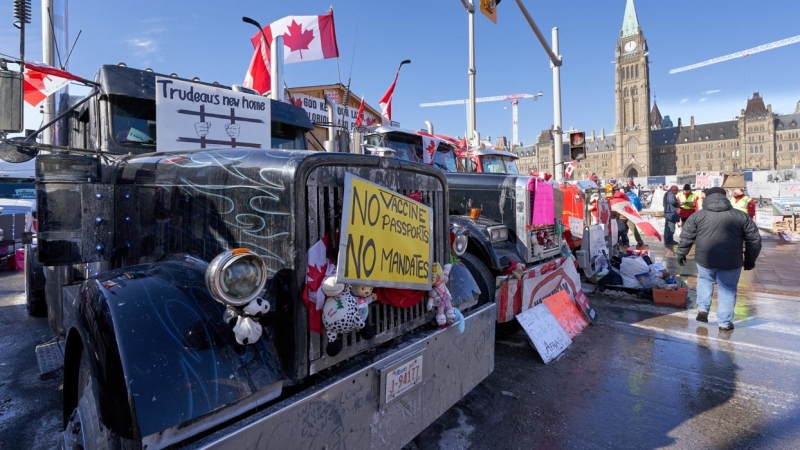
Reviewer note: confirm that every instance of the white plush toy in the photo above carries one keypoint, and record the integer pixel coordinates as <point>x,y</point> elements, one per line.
<point>341,315</point>
<point>440,296</point>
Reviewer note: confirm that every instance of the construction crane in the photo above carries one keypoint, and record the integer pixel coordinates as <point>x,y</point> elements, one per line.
<point>742,54</point>
<point>514,98</point>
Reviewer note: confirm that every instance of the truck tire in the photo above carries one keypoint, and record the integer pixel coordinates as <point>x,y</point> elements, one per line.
<point>84,429</point>
<point>483,277</point>
<point>34,284</point>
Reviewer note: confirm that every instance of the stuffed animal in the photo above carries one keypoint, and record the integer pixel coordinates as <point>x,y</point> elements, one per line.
<point>257,307</point>
<point>364,296</point>
<point>341,315</point>
<point>440,296</point>
<point>245,329</point>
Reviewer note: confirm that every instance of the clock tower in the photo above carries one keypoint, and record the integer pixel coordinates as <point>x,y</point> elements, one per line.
<point>632,92</point>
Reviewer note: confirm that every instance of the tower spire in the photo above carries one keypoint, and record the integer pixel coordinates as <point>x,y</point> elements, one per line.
<point>630,25</point>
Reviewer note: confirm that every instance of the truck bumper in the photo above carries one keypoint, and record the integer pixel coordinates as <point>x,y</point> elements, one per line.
<point>358,409</point>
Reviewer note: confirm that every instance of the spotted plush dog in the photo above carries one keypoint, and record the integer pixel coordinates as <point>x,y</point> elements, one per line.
<point>341,315</point>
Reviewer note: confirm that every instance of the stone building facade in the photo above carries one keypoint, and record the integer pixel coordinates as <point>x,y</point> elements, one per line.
<point>645,144</point>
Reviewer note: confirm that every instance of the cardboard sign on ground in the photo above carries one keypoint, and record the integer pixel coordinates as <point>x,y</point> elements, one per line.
<point>566,313</point>
<point>545,332</point>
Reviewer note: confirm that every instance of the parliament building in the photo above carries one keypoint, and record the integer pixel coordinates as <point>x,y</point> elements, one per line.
<point>645,144</point>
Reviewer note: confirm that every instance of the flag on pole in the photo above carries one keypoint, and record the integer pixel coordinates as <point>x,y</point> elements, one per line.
<point>41,81</point>
<point>386,101</point>
<point>305,38</point>
<point>429,144</point>
<point>360,115</point>
<point>570,168</point>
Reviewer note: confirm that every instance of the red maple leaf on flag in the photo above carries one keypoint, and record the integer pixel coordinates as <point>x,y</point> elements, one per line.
<point>316,277</point>
<point>431,149</point>
<point>297,39</point>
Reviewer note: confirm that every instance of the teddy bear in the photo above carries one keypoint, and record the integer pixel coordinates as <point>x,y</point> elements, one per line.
<point>341,314</point>
<point>440,296</point>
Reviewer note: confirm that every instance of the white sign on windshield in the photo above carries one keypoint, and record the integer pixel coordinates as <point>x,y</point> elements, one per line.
<point>191,116</point>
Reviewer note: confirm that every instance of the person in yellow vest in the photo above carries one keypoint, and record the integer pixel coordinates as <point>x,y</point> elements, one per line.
<point>688,201</point>
<point>743,203</point>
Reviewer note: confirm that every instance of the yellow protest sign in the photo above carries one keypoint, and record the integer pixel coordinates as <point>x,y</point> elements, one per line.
<point>386,238</point>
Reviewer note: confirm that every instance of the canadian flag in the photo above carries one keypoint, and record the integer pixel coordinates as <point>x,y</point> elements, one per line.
<point>42,80</point>
<point>360,115</point>
<point>386,101</point>
<point>570,168</point>
<point>621,204</point>
<point>305,38</point>
<point>319,267</point>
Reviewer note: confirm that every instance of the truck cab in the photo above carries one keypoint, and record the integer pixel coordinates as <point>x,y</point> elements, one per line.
<point>184,286</point>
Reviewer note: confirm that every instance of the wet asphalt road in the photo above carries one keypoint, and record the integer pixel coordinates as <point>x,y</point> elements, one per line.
<point>643,377</point>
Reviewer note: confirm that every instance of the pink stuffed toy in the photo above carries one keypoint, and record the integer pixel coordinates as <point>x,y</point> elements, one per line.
<point>440,296</point>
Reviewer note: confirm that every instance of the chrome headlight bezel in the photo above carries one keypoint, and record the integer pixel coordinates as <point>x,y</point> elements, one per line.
<point>497,233</point>
<point>220,289</point>
<point>459,239</point>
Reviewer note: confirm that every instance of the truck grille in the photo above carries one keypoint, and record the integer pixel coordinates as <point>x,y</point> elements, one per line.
<point>324,195</point>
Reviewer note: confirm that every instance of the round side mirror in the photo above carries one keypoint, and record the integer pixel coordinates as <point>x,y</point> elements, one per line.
<point>14,151</point>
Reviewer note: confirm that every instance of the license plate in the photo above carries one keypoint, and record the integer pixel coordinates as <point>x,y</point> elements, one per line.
<point>403,378</point>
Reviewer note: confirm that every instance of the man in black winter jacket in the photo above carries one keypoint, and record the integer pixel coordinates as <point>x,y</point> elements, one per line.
<point>719,232</point>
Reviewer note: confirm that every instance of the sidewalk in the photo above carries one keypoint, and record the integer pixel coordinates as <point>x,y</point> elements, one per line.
<point>776,270</point>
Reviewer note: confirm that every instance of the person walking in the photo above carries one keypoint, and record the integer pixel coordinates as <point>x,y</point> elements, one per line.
<point>688,203</point>
<point>744,203</point>
<point>671,216</point>
<point>719,231</point>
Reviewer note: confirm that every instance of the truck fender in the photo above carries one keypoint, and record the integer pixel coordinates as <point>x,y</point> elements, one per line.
<point>163,356</point>
<point>497,256</point>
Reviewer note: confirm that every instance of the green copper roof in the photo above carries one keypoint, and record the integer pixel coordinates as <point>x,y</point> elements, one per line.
<point>630,25</point>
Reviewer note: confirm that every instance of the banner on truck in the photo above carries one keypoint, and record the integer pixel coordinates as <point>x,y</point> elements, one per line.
<point>517,295</point>
<point>192,115</point>
<point>386,238</point>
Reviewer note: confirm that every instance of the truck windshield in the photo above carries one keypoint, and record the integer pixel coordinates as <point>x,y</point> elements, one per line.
<point>17,189</point>
<point>133,121</point>
<point>287,137</point>
<point>408,148</point>
<point>499,164</point>
<point>445,159</point>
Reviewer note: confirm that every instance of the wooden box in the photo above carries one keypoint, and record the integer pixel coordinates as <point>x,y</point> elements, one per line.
<point>675,298</point>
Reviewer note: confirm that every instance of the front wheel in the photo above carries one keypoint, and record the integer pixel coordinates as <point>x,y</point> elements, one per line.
<point>482,275</point>
<point>84,429</point>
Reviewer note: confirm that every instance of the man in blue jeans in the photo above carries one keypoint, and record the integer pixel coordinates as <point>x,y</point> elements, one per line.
<point>719,232</point>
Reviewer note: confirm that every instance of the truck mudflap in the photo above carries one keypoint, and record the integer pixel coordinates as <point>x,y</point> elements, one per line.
<point>517,294</point>
<point>382,404</point>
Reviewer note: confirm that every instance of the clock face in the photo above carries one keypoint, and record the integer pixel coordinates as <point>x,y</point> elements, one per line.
<point>630,46</point>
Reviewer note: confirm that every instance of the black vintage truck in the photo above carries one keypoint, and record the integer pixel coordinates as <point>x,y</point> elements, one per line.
<point>145,254</point>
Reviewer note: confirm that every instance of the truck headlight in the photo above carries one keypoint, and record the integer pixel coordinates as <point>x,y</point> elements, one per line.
<point>236,277</point>
<point>498,233</point>
<point>458,239</point>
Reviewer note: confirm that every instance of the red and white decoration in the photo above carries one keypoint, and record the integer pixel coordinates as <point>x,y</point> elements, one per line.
<point>570,168</point>
<point>41,81</point>
<point>621,204</point>
<point>305,38</point>
<point>429,145</point>
<point>386,101</point>
<point>319,268</point>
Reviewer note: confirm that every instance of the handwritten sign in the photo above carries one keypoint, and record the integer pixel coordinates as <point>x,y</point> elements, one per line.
<point>386,239</point>
<point>317,111</point>
<point>789,189</point>
<point>705,180</point>
<point>193,115</point>
<point>576,226</point>
<point>545,332</point>
<point>764,219</point>
<point>766,190</point>
<point>566,313</point>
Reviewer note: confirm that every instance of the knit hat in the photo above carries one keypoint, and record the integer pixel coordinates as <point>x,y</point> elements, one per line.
<point>716,190</point>
<point>687,187</point>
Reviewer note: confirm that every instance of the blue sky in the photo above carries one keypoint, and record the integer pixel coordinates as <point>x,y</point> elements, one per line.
<point>207,38</point>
